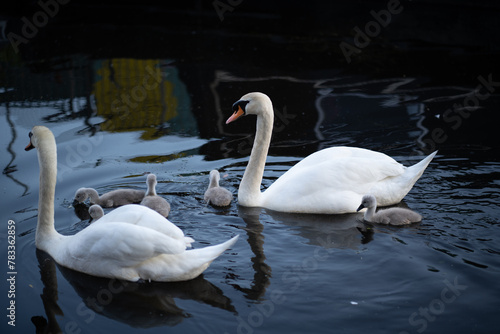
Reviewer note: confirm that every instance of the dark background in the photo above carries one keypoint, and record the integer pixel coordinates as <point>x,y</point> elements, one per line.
<point>456,38</point>
<point>440,43</point>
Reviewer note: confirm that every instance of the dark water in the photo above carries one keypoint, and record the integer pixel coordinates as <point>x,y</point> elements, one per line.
<point>125,98</point>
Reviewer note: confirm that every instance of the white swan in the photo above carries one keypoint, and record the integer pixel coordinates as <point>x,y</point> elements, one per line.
<point>391,216</point>
<point>329,181</point>
<point>96,212</point>
<point>112,249</point>
<point>152,200</point>
<point>110,199</point>
<point>215,194</point>
<point>140,215</point>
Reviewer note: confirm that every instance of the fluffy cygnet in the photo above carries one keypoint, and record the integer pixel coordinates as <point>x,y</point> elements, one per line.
<point>215,194</point>
<point>153,201</point>
<point>96,212</point>
<point>391,216</point>
<point>113,198</point>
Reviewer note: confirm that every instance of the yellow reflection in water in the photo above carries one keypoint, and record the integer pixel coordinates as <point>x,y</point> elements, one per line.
<point>134,94</point>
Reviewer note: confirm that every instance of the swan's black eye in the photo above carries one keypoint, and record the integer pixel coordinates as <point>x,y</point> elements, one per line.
<point>241,103</point>
<point>30,134</point>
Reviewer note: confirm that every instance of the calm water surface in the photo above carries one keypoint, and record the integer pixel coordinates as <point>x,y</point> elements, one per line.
<point>299,272</point>
<point>116,119</point>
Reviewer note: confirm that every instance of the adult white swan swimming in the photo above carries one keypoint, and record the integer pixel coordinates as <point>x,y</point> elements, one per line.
<point>113,249</point>
<point>329,181</point>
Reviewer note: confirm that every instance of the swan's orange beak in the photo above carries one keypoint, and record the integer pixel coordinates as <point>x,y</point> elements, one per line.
<point>237,114</point>
<point>29,147</point>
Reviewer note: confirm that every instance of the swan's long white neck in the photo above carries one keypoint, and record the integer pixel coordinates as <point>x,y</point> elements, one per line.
<point>249,192</point>
<point>47,158</point>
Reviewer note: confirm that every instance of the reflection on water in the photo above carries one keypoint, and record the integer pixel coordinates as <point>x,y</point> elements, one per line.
<point>49,296</point>
<point>328,231</point>
<point>142,305</point>
<point>134,94</point>
<point>262,271</point>
<point>10,168</point>
<point>148,95</point>
<point>130,94</point>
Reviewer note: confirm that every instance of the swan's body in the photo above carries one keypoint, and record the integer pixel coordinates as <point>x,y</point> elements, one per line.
<point>143,216</point>
<point>110,199</point>
<point>391,216</point>
<point>215,194</point>
<point>152,200</point>
<point>96,212</point>
<point>329,181</point>
<point>109,248</point>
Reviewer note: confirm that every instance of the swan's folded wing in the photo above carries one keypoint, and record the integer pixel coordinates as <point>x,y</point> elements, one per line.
<point>142,216</point>
<point>329,185</point>
<point>344,152</point>
<point>123,196</point>
<point>122,244</point>
<point>349,173</point>
<point>339,168</point>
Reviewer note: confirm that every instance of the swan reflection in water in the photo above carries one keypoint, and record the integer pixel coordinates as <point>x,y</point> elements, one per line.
<point>345,231</point>
<point>327,231</point>
<point>141,305</point>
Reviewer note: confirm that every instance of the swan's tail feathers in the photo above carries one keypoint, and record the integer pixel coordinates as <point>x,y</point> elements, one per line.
<point>183,266</point>
<point>414,172</point>
<point>422,165</point>
<point>210,253</point>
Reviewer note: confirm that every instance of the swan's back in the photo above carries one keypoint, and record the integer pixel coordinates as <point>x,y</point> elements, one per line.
<point>332,180</point>
<point>132,252</point>
<point>340,152</point>
<point>396,216</point>
<point>110,199</point>
<point>143,216</point>
<point>218,196</point>
<point>121,197</point>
